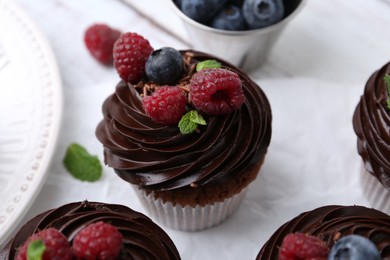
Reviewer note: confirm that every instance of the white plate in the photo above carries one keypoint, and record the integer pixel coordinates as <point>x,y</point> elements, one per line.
<point>30,114</point>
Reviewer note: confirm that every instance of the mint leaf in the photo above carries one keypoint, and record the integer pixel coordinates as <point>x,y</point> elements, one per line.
<point>386,78</point>
<point>81,164</point>
<point>35,250</point>
<point>196,117</point>
<point>186,126</point>
<point>208,64</point>
<point>190,121</point>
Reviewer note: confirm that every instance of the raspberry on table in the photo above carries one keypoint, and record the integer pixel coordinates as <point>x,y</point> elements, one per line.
<point>166,105</point>
<point>56,245</point>
<point>130,53</point>
<point>100,39</point>
<point>216,91</point>
<point>98,240</point>
<point>300,246</point>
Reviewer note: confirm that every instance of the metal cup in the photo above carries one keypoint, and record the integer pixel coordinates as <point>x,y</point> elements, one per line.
<point>245,49</point>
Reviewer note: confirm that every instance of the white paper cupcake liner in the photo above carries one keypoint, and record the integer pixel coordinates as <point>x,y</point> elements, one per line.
<point>189,218</point>
<point>377,194</point>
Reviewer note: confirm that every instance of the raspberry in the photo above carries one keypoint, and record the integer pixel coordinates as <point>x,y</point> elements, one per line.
<point>301,246</point>
<point>130,54</point>
<point>166,105</point>
<point>100,39</point>
<point>97,241</point>
<point>216,91</point>
<point>56,245</point>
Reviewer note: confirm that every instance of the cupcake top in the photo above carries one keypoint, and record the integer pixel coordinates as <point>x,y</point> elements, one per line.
<point>330,223</point>
<point>141,236</point>
<point>160,157</point>
<point>371,122</point>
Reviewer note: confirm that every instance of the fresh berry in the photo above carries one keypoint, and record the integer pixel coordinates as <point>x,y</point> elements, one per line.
<point>56,245</point>
<point>237,3</point>
<point>164,66</point>
<point>229,18</point>
<point>201,11</point>
<point>100,39</point>
<point>177,3</point>
<point>216,91</point>
<point>299,246</point>
<point>130,54</point>
<point>354,247</point>
<point>99,240</point>
<point>166,105</point>
<point>262,13</point>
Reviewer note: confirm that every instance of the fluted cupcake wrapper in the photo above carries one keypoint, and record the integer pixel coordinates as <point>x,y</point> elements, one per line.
<point>189,218</point>
<point>377,194</point>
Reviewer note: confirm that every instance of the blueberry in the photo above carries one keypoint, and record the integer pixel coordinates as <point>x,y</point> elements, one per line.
<point>262,13</point>
<point>164,66</point>
<point>237,3</point>
<point>354,247</point>
<point>177,3</point>
<point>201,11</point>
<point>229,18</point>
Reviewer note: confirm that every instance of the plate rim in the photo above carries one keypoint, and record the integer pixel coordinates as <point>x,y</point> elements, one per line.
<point>33,183</point>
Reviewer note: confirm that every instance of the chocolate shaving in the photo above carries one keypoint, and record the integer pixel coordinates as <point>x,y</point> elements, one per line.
<point>147,88</point>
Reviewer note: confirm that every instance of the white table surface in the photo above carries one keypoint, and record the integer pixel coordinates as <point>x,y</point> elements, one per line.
<point>313,78</point>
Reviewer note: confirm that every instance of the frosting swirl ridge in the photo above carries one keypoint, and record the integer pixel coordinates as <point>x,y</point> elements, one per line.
<point>158,157</point>
<point>332,222</point>
<point>371,122</point>
<point>142,238</point>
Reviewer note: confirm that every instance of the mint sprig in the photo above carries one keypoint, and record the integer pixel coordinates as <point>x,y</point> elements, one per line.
<point>81,164</point>
<point>190,121</point>
<point>35,250</point>
<point>208,64</point>
<point>386,79</point>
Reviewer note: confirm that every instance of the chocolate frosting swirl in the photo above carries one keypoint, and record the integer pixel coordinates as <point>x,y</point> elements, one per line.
<point>158,157</point>
<point>142,238</point>
<point>371,122</point>
<point>332,222</point>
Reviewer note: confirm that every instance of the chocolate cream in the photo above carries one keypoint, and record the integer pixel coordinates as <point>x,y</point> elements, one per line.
<point>159,158</point>
<point>332,222</point>
<point>142,238</point>
<point>371,122</point>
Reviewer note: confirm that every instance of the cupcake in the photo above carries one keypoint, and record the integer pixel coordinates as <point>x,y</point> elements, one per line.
<point>325,227</point>
<point>371,122</point>
<point>132,234</point>
<point>190,168</point>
